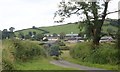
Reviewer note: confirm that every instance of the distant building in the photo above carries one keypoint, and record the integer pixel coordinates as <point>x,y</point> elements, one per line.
<point>71,35</point>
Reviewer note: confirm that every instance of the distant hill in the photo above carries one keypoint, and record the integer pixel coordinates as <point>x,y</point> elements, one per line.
<point>68,28</point>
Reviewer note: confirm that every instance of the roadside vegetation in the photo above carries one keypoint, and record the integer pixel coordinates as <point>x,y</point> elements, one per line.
<point>105,56</point>
<point>26,55</point>
<point>17,50</point>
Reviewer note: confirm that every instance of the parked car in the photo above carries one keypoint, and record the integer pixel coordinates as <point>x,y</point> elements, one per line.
<point>80,39</point>
<point>106,39</point>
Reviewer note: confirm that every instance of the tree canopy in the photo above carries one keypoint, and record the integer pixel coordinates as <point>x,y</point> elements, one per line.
<point>92,13</point>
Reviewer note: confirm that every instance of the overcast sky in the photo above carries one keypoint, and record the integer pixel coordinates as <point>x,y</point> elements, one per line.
<point>23,14</point>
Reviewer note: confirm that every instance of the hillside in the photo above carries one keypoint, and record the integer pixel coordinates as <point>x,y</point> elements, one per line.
<point>67,28</point>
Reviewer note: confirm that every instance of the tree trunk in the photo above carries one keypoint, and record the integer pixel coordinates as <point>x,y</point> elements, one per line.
<point>98,24</point>
<point>97,32</point>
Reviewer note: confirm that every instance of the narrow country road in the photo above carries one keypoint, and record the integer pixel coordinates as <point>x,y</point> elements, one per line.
<point>67,64</point>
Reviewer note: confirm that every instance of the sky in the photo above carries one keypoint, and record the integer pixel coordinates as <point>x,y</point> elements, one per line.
<point>23,14</point>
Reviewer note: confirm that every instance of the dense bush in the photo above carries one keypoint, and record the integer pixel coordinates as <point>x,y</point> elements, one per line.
<point>60,43</point>
<point>18,50</point>
<point>104,54</point>
<point>55,50</point>
<point>6,65</point>
<point>25,50</point>
<point>7,56</point>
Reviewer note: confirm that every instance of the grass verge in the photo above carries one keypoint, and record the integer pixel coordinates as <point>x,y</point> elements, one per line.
<point>38,64</point>
<point>66,56</point>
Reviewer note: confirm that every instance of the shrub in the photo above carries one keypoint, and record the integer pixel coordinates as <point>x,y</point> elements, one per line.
<point>7,56</point>
<point>60,43</point>
<point>25,50</point>
<point>6,65</point>
<point>54,50</point>
<point>104,54</point>
<point>18,50</point>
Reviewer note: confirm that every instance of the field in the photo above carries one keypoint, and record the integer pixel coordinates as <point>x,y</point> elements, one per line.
<point>25,31</point>
<point>66,28</point>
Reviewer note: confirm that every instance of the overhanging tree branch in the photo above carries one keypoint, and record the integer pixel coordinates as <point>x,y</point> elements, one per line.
<point>75,11</point>
<point>112,12</point>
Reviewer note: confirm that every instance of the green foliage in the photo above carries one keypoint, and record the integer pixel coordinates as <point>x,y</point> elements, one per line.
<point>7,55</point>
<point>27,36</point>
<point>64,48</point>
<point>39,64</point>
<point>62,35</point>
<point>19,51</point>
<point>6,65</point>
<point>55,50</point>
<point>8,34</point>
<point>55,35</point>
<point>66,56</point>
<point>66,28</point>
<point>11,29</point>
<point>21,35</point>
<point>30,33</point>
<point>26,31</point>
<point>26,50</point>
<point>38,37</point>
<point>60,43</point>
<point>104,54</point>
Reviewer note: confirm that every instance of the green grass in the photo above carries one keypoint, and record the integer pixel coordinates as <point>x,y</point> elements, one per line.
<point>39,64</point>
<point>35,63</point>
<point>67,57</point>
<point>67,28</point>
<point>109,26</point>
<point>26,31</point>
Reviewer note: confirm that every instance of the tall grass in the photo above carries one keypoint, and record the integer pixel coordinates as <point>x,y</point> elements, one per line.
<point>17,50</point>
<point>105,54</point>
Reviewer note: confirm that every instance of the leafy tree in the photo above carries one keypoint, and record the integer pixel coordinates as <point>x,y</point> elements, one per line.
<point>21,35</point>
<point>5,34</point>
<point>62,35</point>
<point>54,35</point>
<point>92,13</point>
<point>30,33</point>
<point>55,50</point>
<point>11,35</point>
<point>11,29</point>
<point>39,37</point>
<point>34,33</point>
<point>34,27</point>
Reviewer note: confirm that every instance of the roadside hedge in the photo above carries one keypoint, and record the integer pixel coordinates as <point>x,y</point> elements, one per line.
<point>105,54</point>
